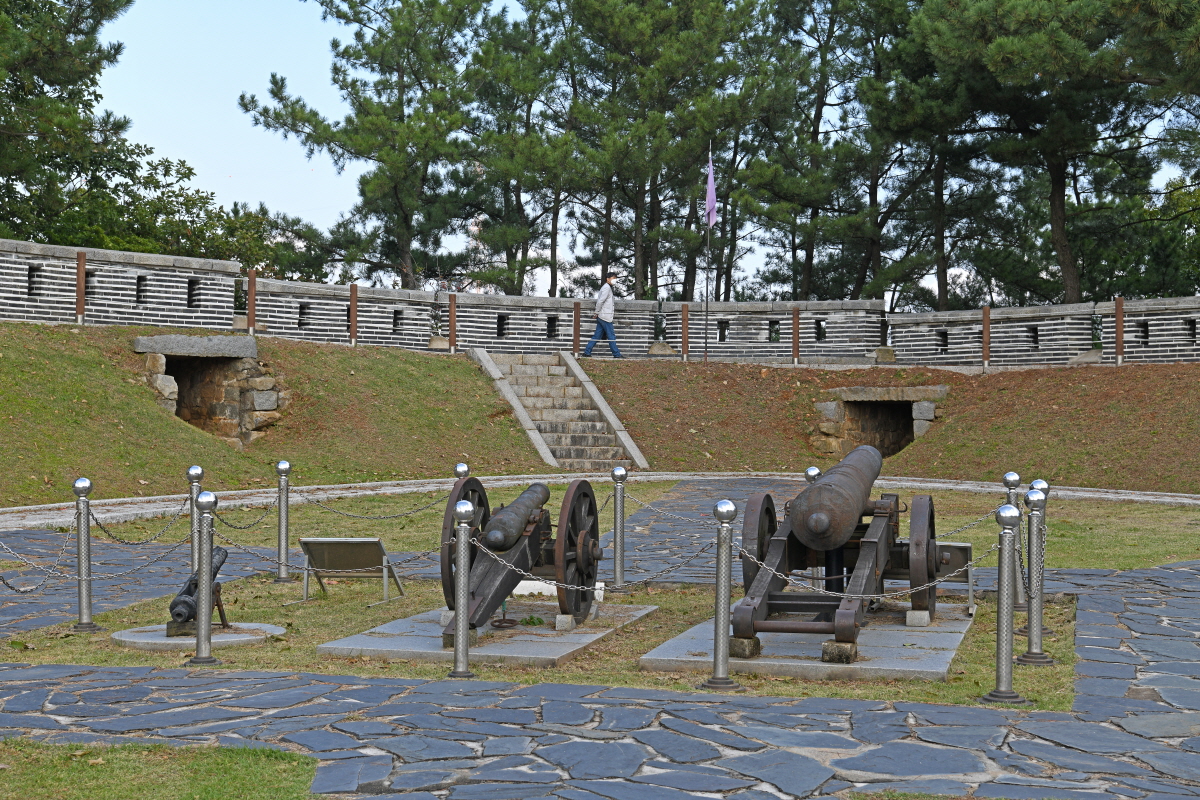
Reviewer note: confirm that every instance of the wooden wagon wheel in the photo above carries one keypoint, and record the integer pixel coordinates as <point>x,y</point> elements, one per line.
<point>759,524</point>
<point>464,489</point>
<point>577,551</point>
<point>922,553</point>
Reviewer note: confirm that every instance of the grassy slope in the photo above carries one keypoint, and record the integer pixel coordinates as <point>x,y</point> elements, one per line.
<point>73,405</point>
<point>1129,428</point>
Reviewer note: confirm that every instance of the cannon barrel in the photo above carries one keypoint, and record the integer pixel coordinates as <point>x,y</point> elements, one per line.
<point>506,525</point>
<point>826,513</point>
<point>183,607</point>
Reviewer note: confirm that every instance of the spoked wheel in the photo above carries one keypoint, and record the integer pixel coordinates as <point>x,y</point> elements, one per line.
<point>465,489</point>
<point>577,552</point>
<point>759,524</point>
<point>922,553</point>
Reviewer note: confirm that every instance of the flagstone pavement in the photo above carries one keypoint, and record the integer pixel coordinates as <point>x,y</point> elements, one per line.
<point>1134,731</point>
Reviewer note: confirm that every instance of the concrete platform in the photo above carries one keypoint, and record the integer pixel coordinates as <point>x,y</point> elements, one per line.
<point>154,637</point>
<point>419,638</point>
<point>887,650</point>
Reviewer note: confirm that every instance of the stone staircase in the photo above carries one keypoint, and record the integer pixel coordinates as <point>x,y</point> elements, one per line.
<point>572,426</point>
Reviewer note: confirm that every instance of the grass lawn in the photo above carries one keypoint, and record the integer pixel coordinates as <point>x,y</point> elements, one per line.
<point>152,772</point>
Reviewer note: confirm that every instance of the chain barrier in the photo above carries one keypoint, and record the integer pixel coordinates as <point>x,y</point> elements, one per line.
<point>276,562</point>
<point>53,570</point>
<point>150,563</point>
<point>261,517</point>
<point>316,502</point>
<point>529,575</point>
<point>657,510</point>
<point>1021,557</point>
<point>153,538</point>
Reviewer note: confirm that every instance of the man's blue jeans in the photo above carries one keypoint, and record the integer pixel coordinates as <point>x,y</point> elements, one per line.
<point>604,330</point>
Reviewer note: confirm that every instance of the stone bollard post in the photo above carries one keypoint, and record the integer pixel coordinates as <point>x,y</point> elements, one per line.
<point>725,512</point>
<point>194,475</point>
<point>83,556</point>
<point>1009,517</point>
<point>1035,500</point>
<point>1012,481</point>
<point>619,475</point>
<point>283,469</point>
<point>464,512</point>
<point>206,502</point>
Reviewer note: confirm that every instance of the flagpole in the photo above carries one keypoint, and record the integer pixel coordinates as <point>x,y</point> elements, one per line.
<point>707,290</point>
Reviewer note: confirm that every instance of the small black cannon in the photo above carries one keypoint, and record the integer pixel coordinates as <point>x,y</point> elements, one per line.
<point>833,523</point>
<point>183,605</point>
<point>521,535</point>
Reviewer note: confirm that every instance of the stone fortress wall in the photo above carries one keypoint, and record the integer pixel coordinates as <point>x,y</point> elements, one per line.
<point>55,284</point>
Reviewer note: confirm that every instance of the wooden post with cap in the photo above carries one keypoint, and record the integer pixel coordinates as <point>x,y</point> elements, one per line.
<point>795,337</point>
<point>1119,325</point>
<point>987,336</point>
<point>353,321</point>
<point>80,287</point>
<point>684,331</point>
<point>575,330</point>
<point>453,321</point>
<point>251,300</point>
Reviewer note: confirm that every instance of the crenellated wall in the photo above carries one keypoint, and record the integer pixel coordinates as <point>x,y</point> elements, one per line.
<point>40,283</point>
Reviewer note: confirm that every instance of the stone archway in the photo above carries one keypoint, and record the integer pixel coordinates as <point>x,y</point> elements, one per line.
<point>887,418</point>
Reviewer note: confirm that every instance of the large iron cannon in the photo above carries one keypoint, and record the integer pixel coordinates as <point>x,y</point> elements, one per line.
<point>521,536</point>
<point>833,523</point>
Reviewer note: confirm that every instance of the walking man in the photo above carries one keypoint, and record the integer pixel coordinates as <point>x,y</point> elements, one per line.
<point>605,306</point>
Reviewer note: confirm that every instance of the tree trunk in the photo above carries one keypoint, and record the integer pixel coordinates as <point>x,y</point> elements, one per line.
<point>639,243</point>
<point>607,236</point>
<point>1057,167</point>
<point>939,228</point>
<point>732,256</point>
<point>689,264</point>
<point>554,244</point>
<point>810,254</point>
<point>871,257</point>
<point>652,233</point>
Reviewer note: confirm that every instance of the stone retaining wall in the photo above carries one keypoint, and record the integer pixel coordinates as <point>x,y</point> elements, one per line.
<point>39,283</point>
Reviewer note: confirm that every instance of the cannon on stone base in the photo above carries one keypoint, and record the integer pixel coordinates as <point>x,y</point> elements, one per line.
<point>183,605</point>
<point>833,523</point>
<point>522,536</point>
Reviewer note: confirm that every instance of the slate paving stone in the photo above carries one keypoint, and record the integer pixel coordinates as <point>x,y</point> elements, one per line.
<point>878,727</point>
<point>364,729</point>
<point>790,721</point>
<point>1103,708</point>
<point>84,710</point>
<point>1089,737</point>
<point>1157,649</point>
<point>323,740</point>
<point>459,687</point>
<point>291,724</point>
<point>515,716</point>
<point>422,748</point>
<point>704,716</point>
<point>28,721</point>
<point>794,774</point>
<point>677,747</point>
<point>124,694</point>
<point>1183,698</point>
<point>826,705</point>
<point>498,792</point>
<point>558,691</point>
<point>932,714</point>
<point>1073,759</point>
<point>508,746</point>
<point>693,781</point>
<point>1180,723</point>
<point>1015,762</point>
<point>780,737</point>
<point>421,779</point>
<point>1182,765</point>
<point>398,709</point>
<point>1191,668</point>
<point>973,737</point>
<point>597,759</point>
<point>1013,792</point>
<point>281,699</point>
<point>623,790</point>
<point>625,719</point>
<point>909,759</point>
<point>1104,687</point>
<point>251,744</point>
<point>337,776</point>
<point>27,701</point>
<point>560,713</point>
<point>1158,786</point>
<point>717,737</point>
<point>1101,669</point>
<point>1110,655</point>
<point>65,699</point>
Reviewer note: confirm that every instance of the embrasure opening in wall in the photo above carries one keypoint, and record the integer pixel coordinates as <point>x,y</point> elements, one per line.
<point>722,330</point>
<point>887,426</point>
<point>206,398</point>
<point>551,327</point>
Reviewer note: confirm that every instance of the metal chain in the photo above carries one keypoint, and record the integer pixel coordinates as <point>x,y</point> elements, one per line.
<point>153,538</point>
<point>261,517</point>
<point>665,513</point>
<point>47,572</point>
<point>529,575</point>
<point>316,502</point>
<point>624,587</point>
<point>276,562</point>
<point>1021,556</point>
<point>885,595</point>
<point>150,563</point>
<point>607,500</point>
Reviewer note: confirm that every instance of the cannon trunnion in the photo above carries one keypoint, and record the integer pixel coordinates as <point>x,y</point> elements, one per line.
<point>521,536</point>
<point>834,524</point>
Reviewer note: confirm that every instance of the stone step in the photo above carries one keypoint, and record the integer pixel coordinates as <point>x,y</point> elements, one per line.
<point>570,427</point>
<point>564,414</point>
<point>508,359</point>
<point>542,359</point>
<point>541,380</point>
<point>588,453</point>
<point>570,403</point>
<point>585,465</point>
<point>529,369</point>
<point>548,391</point>
<point>556,440</point>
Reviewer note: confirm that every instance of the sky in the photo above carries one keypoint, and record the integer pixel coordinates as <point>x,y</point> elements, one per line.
<point>185,64</point>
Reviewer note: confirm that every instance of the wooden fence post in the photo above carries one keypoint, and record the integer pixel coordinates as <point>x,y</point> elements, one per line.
<point>795,337</point>
<point>453,321</point>
<point>575,331</point>
<point>80,287</point>
<point>353,314</point>
<point>684,325</point>
<point>251,301</point>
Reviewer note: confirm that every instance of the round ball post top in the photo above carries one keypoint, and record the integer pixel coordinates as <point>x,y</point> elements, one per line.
<point>195,474</point>
<point>82,487</point>
<point>619,474</point>
<point>461,470</point>
<point>1008,516</point>
<point>1041,486</point>
<point>464,511</point>
<point>725,511</point>
<point>283,468</point>
<point>206,502</point>
<point>1035,500</point>
<point>811,474</point>
<point>1011,480</point>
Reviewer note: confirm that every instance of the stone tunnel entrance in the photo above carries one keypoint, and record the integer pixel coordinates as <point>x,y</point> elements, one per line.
<point>215,383</point>
<point>885,425</point>
<point>887,418</point>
